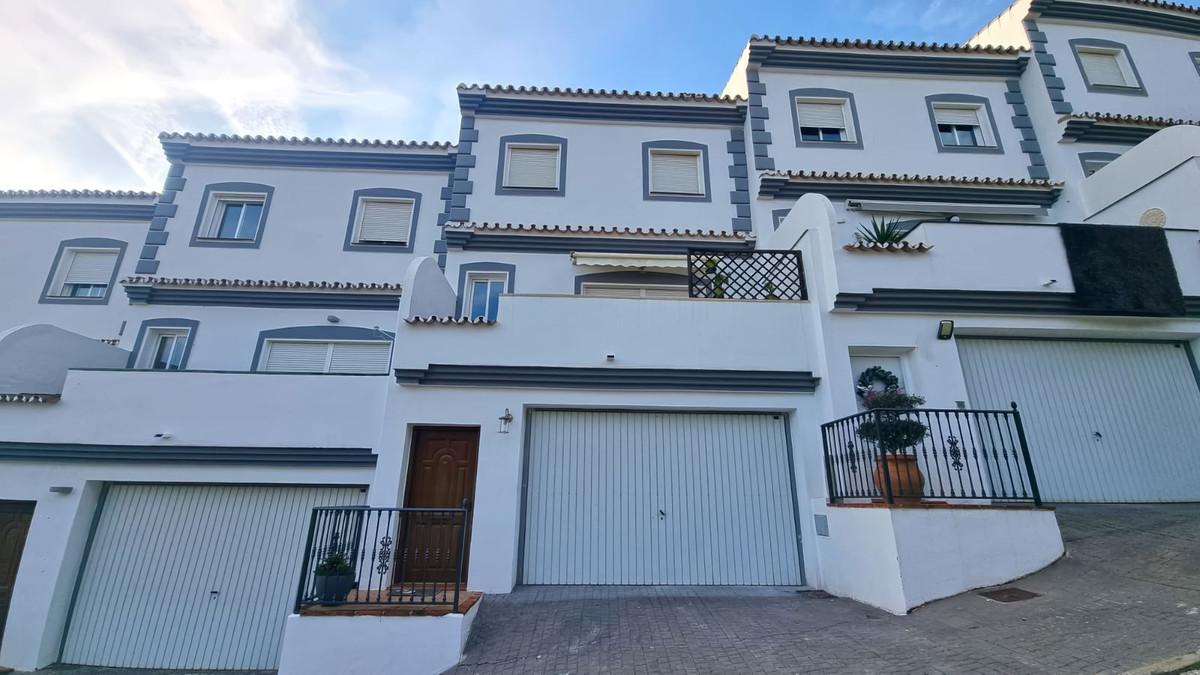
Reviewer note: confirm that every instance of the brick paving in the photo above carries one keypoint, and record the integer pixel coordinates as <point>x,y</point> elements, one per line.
<point>1127,594</point>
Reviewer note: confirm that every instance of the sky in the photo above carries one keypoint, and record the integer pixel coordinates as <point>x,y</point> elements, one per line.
<point>91,84</point>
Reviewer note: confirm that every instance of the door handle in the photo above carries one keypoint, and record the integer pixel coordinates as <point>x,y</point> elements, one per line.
<point>1097,436</point>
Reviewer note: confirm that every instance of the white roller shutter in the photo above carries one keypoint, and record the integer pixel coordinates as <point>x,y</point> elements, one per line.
<point>956,115</point>
<point>675,172</point>
<point>196,577</point>
<point>296,357</point>
<point>821,114</point>
<point>633,291</point>
<point>385,220</point>
<point>360,357</point>
<point>532,167</point>
<point>649,498</point>
<point>90,267</point>
<point>1102,68</point>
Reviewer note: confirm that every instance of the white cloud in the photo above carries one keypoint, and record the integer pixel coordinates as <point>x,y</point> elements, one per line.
<point>930,15</point>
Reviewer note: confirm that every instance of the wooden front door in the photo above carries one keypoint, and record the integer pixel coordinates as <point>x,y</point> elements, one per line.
<point>441,474</point>
<point>14,525</point>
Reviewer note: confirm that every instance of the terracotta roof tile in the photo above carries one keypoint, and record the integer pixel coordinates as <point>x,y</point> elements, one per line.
<point>600,93</point>
<point>881,45</point>
<point>29,398</point>
<point>893,247</point>
<point>605,230</point>
<point>1133,120</point>
<point>78,194</point>
<point>860,177</point>
<point>294,140</point>
<point>448,320</point>
<point>260,284</point>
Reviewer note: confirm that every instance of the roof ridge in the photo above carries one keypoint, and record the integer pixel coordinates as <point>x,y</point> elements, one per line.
<point>80,193</point>
<point>892,45</point>
<point>306,140</point>
<point>861,176</point>
<point>611,93</point>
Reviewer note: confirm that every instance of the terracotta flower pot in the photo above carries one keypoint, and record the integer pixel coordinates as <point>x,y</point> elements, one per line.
<point>907,482</point>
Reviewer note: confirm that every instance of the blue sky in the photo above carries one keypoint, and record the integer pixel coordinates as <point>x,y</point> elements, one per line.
<point>91,84</point>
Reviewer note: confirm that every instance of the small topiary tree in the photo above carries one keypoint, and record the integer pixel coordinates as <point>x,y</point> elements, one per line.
<point>889,427</point>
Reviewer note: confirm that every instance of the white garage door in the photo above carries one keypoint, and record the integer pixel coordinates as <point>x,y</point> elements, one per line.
<point>659,498</point>
<point>193,576</point>
<point>1106,421</point>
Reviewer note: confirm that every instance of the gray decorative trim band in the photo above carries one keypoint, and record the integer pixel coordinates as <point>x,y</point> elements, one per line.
<point>1120,15</point>
<point>268,193</point>
<point>150,295</point>
<point>822,92</point>
<point>650,146</point>
<point>739,172</point>
<point>190,324</point>
<point>1195,57</point>
<point>984,104</point>
<point>1024,124</point>
<point>780,188</point>
<point>82,242</point>
<point>1076,43</point>
<point>312,159</point>
<point>1045,63</point>
<point>1085,157</point>
<point>465,268</point>
<point>482,104</point>
<point>324,332</point>
<point>541,139</point>
<point>468,240</point>
<point>164,210</point>
<point>1095,131</point>
<point>629,277</point>
<point>974,302</point>
<point>775,56</point>
<point>59,211</point>
<point>458,184</point>
<point>552,377</point>
<point>185,454</point>
<point>393,193</point>
<point>759,114</point>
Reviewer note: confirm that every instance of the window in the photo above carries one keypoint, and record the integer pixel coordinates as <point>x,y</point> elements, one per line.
<point>84,273</point>
<point>1195,56</point>
<point>309,356</point>
<point>383,221</point>
<point>532,167</point>
<point>1106,66</point>
<point>232,215</point>
<point>963,123</point>
<point>617,290</point>
<point>958,125</point>
<point>483,291</point>
<point>1094,161</point>
<point>823,121</point>
<point>676,172</point>
<point>165,349</point>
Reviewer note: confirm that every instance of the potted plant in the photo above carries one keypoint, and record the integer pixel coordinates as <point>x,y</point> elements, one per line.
<point>882,231</point>
<point>894,432</point>
<point>333,577</point>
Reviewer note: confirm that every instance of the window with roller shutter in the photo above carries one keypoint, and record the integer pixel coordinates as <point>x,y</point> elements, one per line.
<point>823,121</point>
<point>304,356</point>
<point>384,221</point>
<point>675,172</point>
<point>85,274</point>
<point>532,167</point>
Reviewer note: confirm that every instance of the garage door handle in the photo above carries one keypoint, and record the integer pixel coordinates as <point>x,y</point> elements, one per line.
<point>661,514</point>
<point>1097,435</point>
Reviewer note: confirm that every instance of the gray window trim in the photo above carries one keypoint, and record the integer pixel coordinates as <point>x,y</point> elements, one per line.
<point>820,92</point>
<point>1085,157</point>
<point>984,103</point>
<point>388,193</point>
<point>775,216</point>
<point>190,324</point>
<point>82,242</point>
<point>464,268</point>
<point>675,145</point>
<point>1195,57</point>
<point>267,190</point>
<point>1139,90</point>
<point>330,333</point>
<point>561,191</point>
<point>629,277</point>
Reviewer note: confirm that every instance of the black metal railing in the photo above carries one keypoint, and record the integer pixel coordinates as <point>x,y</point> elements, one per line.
<point>358,555</point>
<point>958,455</point>
<point>746,275</point>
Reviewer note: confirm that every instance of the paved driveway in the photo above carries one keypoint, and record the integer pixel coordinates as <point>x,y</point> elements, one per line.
<point>1127,594</point>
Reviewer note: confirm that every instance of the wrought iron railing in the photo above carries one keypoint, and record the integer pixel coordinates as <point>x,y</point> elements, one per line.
<point>959,455</point>
<point>358,555</point>
<point>746,275</point>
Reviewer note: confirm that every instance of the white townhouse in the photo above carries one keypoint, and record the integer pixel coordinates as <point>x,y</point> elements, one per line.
<point>328,395</point>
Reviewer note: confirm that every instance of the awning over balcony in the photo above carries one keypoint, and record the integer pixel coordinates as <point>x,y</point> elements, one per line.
<point>636,261</point>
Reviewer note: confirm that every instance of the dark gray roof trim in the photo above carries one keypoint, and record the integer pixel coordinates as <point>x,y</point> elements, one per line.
<point>773,56</point>
<point>775,187</point>
<point>1095,131</point>
<point>468,240</point>
<point>1045,61</point>
<point>550,377</point>
<point>474,103</point>
<point>180,454</point>
<point>974,302</point>
<point>1137,14</point>
<point>75,211</point>
<point>216,297</point>
<point>180,151</point>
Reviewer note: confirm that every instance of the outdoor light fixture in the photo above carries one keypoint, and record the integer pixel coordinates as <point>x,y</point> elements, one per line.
<point>505,420</point>
<point>945,329</point>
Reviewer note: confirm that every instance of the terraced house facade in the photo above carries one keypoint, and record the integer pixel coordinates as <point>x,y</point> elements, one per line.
<point>328,392</point>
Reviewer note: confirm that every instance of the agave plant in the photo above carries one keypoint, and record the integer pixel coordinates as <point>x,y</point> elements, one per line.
<point>882,231</point>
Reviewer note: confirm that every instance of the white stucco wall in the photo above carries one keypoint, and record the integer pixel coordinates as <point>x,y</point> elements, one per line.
<point>35,359</point>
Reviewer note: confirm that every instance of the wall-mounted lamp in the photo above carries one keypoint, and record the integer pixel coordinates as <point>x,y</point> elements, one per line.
<point>945,329</point>
<point>505,421</point>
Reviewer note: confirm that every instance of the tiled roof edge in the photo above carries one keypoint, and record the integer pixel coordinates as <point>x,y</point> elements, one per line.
<point>910,178</point>
<point>455,320</point>
<point>600,229</point>
<point>1132,119</point>
<point>142,280</point>
<point>888,45</point>
<point>601,93</point>
<point>78,194</point>
<point>295,140</point>
<point>891,247</point>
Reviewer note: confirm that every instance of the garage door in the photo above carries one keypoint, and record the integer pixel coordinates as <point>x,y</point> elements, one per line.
<point>193,576</point>
<point>659,498</point>
<point>1106,421</point>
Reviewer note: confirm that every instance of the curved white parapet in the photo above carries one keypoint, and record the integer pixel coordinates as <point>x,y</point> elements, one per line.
<point>1159,173</point>
<point>900,558</point>
<point>34,359</point>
